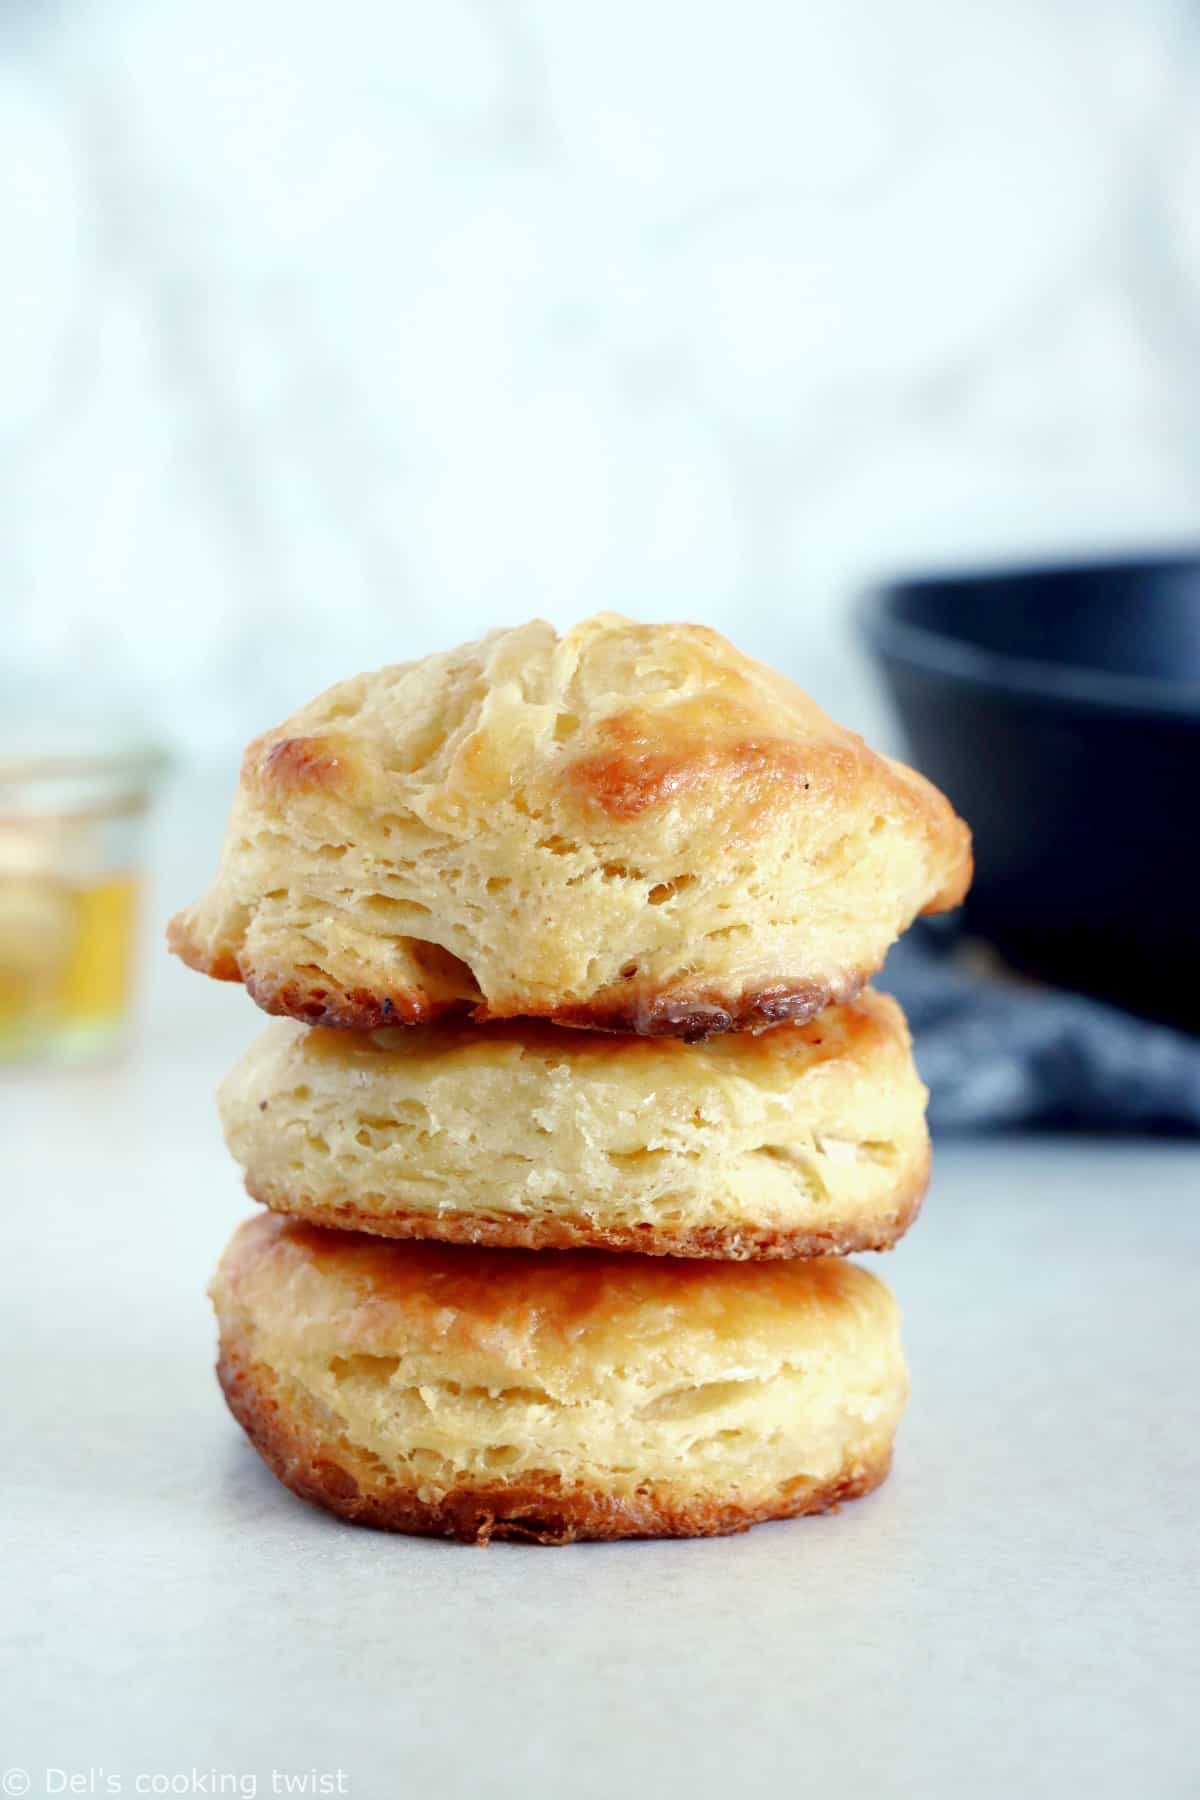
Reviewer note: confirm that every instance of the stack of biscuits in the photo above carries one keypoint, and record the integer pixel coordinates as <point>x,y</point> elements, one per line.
<point>577,1098</point>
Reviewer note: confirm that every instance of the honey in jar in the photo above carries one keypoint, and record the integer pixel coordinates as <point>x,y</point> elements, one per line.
<point>70,844</point>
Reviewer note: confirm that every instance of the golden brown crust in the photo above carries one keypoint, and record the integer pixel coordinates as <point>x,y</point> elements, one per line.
<point>566,1233</point>
<point>302,764</point>
<point>219,965</point>
<point>327,1472</point>
<point>636,769</point>
<point>627,828</point>
<point>581,1296</point>
<point>695,1015</point>
<point>633,1010</point>
<point>630,1008</point>
<point>316,1000</point>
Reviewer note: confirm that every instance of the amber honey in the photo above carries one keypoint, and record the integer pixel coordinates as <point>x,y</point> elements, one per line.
<point>66,955</point>
<point>73,806</point>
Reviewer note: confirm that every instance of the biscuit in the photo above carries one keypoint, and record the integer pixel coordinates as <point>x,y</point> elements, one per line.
<point>631,827</point>
<point>555,1395</point>
<point>798,1141</point>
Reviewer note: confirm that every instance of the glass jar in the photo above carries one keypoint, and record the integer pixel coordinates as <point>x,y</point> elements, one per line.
<point>72,841</point>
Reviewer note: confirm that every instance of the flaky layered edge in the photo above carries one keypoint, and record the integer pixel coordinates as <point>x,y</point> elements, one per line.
<point>881,1229</point>
<point>332,1473</point>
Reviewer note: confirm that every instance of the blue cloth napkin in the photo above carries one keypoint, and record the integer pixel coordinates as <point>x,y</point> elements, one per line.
<point>996,1052</point>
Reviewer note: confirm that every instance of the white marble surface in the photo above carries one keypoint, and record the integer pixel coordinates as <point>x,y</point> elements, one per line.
<point>341,336</point>
<point>1014,1613</point>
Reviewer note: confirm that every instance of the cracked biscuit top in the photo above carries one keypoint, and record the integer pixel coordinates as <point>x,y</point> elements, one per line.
<point>627,827</point>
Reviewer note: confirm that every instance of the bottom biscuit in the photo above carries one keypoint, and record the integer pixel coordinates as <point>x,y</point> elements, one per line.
<point>553,1397</point>
<point>326,1471</point>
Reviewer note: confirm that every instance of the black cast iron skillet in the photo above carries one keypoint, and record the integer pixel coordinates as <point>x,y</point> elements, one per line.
<point>1059,708</point>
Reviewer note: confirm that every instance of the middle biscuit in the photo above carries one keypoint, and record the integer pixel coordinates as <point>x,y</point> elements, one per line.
<point>807,1140</point>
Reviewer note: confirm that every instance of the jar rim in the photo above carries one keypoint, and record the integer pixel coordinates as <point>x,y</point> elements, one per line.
<point>140,763</point>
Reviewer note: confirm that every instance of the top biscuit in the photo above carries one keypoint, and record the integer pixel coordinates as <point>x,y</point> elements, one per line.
<point>629,827</point>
